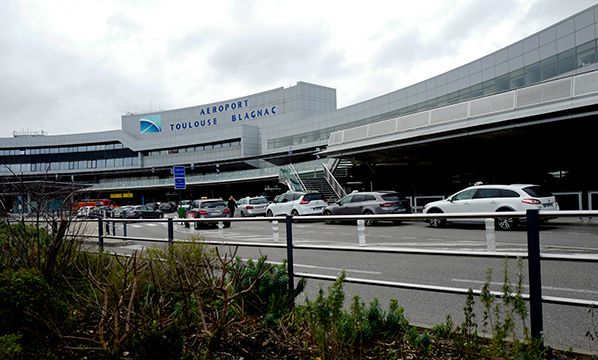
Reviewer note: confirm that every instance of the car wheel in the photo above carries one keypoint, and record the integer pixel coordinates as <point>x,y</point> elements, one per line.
<point>242,213</point>
<point>227,224</point>
<point>328,221</point>
<point>161,216</point>
<point>196,225</point>
<point>269,213</point>
<point>505,223</point>
<point>369,222</point>
<point>435,222</point>
<point>295,212</point>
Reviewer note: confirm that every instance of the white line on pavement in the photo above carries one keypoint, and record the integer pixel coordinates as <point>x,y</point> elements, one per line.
<point>582,291</point>
<point>328,268</point>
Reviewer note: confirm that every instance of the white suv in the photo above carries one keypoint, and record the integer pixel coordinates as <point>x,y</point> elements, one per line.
<point>492,198</point>
<point>297,203</point>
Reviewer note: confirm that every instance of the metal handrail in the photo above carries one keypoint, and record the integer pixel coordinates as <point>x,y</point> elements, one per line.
<point>334,184</point>
<point>296,174</point>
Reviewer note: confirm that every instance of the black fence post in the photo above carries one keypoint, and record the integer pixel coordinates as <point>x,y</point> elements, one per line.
<point>170,233</point>
<point>535,275</point>
<point>54,227</point>
<point>290,265</point>
<point>101,235</point>
<point>125,228</point>
<point>114,228</point>
<point>107,227</point>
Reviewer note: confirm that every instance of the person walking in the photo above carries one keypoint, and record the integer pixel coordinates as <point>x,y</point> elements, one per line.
<point>232,205</point>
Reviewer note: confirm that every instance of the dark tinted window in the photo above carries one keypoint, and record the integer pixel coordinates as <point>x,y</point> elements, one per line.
<point>212,204</point>
<point>358,198</point>
<point>258,201</point>
<point>392,197</point>
<point>346,200</point>
<point>537,191</point>
<point>313,196</point>
<point>369,198</point>
<point>487,193</point>
<point>508,193</point>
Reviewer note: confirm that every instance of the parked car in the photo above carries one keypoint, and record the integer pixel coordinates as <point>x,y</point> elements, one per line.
<point>251,206</point>
<point>121,212</point>
<point>84,211</point>
<point>493,198</point>
<point>297,203</point>
<point>370,203</point>
<point>167,207</point>
<point>99,212</point>
<point>208,208</point>
<point>143,212</point>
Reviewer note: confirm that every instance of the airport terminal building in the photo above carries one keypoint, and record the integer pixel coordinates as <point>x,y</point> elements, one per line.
<point>525,113</point>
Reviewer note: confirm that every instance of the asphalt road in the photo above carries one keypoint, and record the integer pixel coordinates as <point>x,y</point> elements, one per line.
<point>564,326</point>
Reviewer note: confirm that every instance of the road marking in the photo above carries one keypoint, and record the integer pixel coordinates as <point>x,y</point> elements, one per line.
<point>136,225</point>
<point>582,291</point>
<point>579,233</point>
<point>151,224</point>
<point>327,268</point>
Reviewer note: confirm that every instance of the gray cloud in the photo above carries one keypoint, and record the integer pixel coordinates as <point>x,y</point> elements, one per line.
<point>47,85</point>
<point>267,54</point>
<point>555,10</point>
<point>409,46</point>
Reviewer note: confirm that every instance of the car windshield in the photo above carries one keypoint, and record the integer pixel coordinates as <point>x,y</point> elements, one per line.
<point>537,191</point>
<point>313,196</point>
<point>211,204</point>
<point>392,197</point>
<point>258,201</point>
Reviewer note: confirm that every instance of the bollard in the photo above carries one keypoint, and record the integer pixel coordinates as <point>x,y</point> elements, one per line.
<point>220,231</point>
<point>361,232</point>
<point>275,231</point>
<point>490,235</point>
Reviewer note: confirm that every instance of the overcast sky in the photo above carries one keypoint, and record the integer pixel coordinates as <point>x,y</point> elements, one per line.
<point>77,66</point>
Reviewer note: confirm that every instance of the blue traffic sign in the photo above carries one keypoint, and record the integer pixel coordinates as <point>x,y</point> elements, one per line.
<point>180,184</point>
<point>178,171</point>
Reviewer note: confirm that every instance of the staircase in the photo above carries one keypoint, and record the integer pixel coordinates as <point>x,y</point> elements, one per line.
<point>315,181</point>
<point>341,170</point>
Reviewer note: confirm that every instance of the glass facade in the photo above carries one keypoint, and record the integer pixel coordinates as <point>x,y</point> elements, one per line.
<point>574,59</point>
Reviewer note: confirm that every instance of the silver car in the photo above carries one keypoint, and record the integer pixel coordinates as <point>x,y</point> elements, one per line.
<point>208,208</point>
<point>251,206</point>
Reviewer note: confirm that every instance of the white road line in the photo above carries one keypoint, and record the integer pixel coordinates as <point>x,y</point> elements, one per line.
<point>582,291</point>
<point>579,233</point>
<point>151,224</point>
<point>328,268</point>
<point>136,225</point>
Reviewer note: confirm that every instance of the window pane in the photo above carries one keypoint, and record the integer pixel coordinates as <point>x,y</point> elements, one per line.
<point>532,74</point>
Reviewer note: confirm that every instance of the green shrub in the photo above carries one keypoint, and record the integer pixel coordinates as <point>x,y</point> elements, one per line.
<point>31,308</point>
<point>10,346</point>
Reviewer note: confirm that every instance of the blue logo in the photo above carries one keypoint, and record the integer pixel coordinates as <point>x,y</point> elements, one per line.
<point>150,124</point>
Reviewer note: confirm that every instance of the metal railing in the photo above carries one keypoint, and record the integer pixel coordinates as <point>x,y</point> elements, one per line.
<point>533,254</point>
<point>334,184</point>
